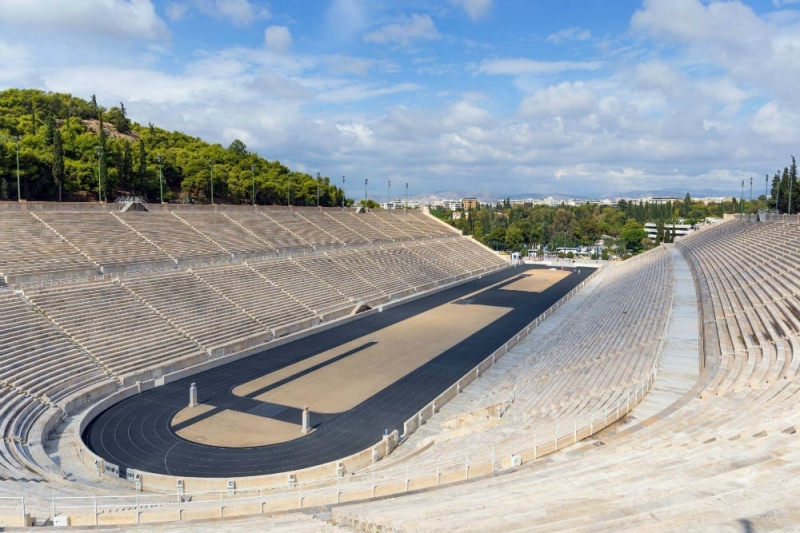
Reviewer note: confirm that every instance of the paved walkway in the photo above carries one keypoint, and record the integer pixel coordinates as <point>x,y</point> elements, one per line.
<point>680,362</point>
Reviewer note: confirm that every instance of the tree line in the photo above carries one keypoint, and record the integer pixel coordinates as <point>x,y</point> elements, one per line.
<point>73,149</point>
<point>504,226</point>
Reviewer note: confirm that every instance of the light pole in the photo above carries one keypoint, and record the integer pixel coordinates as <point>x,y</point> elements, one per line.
<point>406,204</point>
<point>289,191</point>
<point>741,204</point>
<point>211,170</point>
<point>751,197</point>
<point>318,189</point>
<point>766,186</point>
<point>389,194</point>
<point>344,196</point>
<point>366,181</point>
<point>160,176</point>
<point>253,172</point>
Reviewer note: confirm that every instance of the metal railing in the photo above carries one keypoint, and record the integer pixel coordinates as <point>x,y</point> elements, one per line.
<point>13,512</point>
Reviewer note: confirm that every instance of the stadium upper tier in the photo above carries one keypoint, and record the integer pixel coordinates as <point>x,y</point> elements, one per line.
<point>49,245</point>
<point>724,457</point>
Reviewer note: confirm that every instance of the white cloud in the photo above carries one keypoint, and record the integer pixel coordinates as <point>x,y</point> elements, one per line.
<point>776,124</point>
<point>176,11</point>
<point>761,51</point>
<point>565,98</point>
<point>240,12</point>
<point>414,28</point>
<point>569,34</point>
<point>518,66</point>
<point>355,93</point>
<point>135,19</point>
<point>476,9</point>
<point>278,39</point>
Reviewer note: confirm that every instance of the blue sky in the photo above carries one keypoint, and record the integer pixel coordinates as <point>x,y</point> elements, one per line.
<point>459,97</point>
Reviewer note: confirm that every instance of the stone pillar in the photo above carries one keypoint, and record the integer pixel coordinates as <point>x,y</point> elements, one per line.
<point>306,420</point>
<point>193,395</point>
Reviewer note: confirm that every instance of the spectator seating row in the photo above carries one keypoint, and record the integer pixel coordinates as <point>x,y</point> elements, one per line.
<point>53,245</point>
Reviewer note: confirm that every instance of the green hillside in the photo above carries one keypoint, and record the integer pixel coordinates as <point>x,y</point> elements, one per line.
<point>68,146</point>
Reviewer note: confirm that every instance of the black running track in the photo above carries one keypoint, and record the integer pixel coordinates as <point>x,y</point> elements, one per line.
<point>136,432</point>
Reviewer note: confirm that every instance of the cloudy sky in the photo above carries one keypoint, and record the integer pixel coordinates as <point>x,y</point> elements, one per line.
<point>582,97</point>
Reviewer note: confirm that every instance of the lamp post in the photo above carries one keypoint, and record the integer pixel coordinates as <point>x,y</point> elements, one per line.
<point>211,170</point>
<point>344,196</point>
<point>406,204</point>
<point>289,191</point>
<point>741,204</point>
<point>318,189</point>
<point>766,187</point>
<point>366,181</point>
<point>160,176</point>
<point>791,179</point>
<point>389,194</point>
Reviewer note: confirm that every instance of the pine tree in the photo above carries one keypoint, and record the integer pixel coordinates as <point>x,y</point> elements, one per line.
<point>50,131</point>
<point>793,192</point>
<point>125,177</point>
<point>660,232</point>
<point>125,125</point>
<point>58,162</point>
<point>102,168</point>
<point>686,206</point>
<point>784,191</point>
<point>94,105</point>
<point>776,189</point>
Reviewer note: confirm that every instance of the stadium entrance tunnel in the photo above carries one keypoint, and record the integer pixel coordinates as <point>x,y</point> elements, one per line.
<point>357,380</point>
<point>361,308</point>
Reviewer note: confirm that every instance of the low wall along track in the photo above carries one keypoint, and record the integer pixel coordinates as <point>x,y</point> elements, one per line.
<point>358,380</point>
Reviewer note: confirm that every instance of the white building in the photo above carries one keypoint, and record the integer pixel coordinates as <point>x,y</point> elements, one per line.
<point>681,230</point>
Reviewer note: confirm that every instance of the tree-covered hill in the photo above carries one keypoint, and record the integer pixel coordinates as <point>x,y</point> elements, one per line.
<point>77,150</point>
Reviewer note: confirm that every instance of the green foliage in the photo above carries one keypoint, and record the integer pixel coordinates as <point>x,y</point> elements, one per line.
<point>632,235</point>
<point>514,238</point>
<point>37,115</point>
<point>118,117</point>
<point>238,147</point>
<point>370,203</point>
<point>58,162</point>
